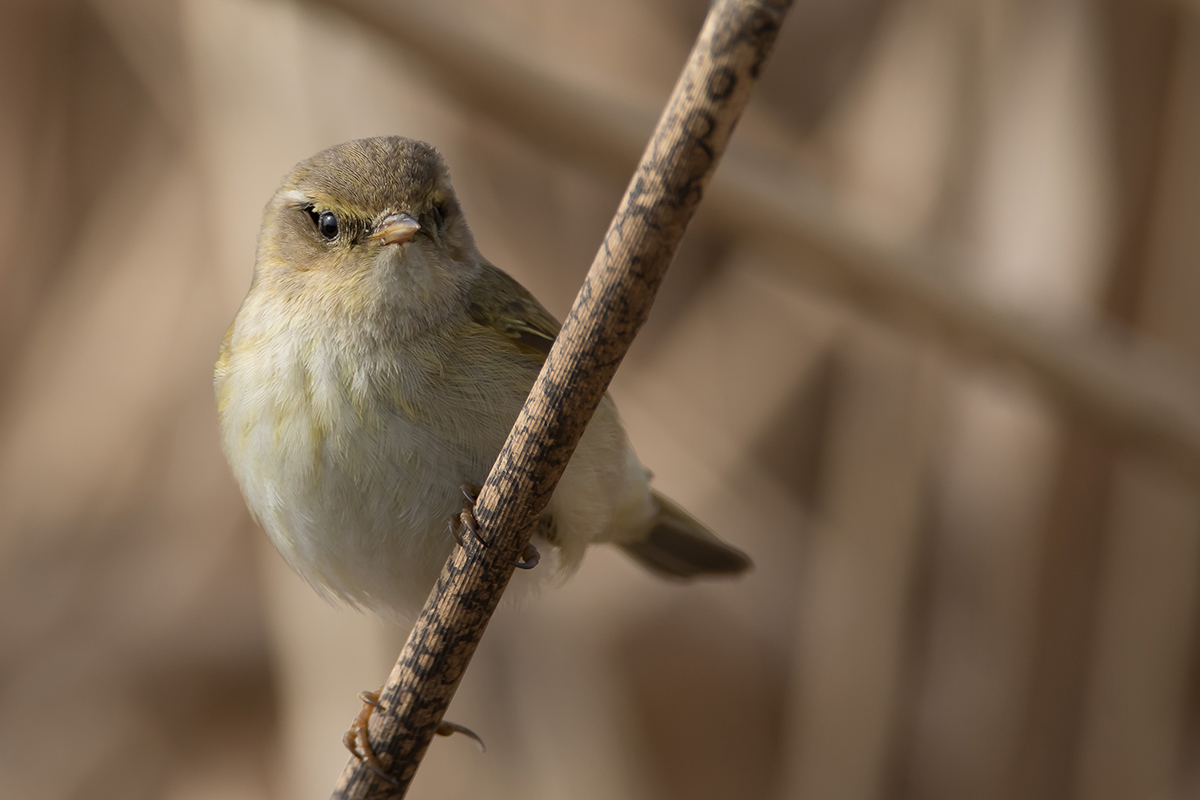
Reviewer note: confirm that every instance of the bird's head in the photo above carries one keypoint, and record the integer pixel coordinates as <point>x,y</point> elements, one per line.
<point>368,219</point>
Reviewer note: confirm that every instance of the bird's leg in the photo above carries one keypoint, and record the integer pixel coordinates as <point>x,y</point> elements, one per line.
<point>358,739</point>
<point>467,517</point>
<point>445,728</point>
<point>530,558</point>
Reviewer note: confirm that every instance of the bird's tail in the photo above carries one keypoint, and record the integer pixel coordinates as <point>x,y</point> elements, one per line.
<point>678,546</point>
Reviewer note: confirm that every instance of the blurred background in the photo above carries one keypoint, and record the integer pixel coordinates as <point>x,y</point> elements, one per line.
<point>930,352</point>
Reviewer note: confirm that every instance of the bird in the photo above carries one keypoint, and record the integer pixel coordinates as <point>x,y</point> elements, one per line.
<point>371,376</point>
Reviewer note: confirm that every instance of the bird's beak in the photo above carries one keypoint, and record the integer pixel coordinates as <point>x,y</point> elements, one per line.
<point>396,229</point>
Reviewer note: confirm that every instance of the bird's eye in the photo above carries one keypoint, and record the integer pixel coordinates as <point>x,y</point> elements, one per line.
<point>438,213</point>
<point>325,222</point>
<point>327,225</point>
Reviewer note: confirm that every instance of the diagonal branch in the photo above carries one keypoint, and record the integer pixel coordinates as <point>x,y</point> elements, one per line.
<point>615,300</point>
<point>1139,396</point>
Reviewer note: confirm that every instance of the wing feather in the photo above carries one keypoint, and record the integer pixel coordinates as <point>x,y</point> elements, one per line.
<point>500,303</point>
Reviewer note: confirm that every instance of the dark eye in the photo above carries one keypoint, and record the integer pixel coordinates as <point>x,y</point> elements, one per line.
<point>438,213</point>
<point>325,222</point>
<point>327,225</point>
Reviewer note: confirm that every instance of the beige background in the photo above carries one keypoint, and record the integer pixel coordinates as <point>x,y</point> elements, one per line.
<point>966,586</point>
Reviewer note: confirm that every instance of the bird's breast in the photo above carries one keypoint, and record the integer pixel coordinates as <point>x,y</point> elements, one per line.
<point>351,454</point>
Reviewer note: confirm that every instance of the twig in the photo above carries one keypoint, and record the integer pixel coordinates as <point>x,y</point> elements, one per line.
<point>1147,401</point>
<point>724,66</point>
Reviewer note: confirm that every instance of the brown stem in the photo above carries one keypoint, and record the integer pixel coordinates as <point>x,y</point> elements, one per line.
<point>724,66</point>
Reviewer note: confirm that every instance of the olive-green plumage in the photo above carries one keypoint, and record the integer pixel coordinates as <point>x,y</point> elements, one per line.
<point>378,363</point>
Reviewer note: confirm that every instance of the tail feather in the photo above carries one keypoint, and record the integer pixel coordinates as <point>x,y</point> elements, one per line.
<point>678,546</point>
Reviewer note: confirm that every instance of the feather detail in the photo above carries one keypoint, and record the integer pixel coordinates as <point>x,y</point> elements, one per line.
<point>677,546</point>
<point>500,303</point>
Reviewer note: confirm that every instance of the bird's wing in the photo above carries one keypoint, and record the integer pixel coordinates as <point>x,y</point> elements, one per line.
<point>500,303</point>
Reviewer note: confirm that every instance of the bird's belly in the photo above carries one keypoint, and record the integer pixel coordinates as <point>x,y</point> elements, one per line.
<point>355,488</point>
<point>358,508</point>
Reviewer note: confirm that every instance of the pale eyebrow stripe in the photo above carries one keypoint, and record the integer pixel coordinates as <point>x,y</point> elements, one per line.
<point>296,196</point>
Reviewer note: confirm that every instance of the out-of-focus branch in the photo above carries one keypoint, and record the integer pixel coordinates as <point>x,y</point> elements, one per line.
<point>612,306</point>
<point>493,73</point>
<point>1150,403</point>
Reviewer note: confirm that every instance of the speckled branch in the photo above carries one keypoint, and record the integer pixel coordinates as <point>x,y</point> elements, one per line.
<point>612,306</point>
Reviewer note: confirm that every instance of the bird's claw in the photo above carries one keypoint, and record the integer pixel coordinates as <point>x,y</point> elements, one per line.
<point>466,518</point>
<point>358,740</point>
<point>445,728</point>
<point>530,558</point>
<point>456,527</point>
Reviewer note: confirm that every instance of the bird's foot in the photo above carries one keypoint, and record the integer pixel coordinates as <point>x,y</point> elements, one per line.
<point>466,518</point>
<point>530,558</point>
<point>445,728</point>
<point>358,739</point>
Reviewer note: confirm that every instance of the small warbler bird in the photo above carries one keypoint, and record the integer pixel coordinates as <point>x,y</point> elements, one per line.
<point>377,366</point>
